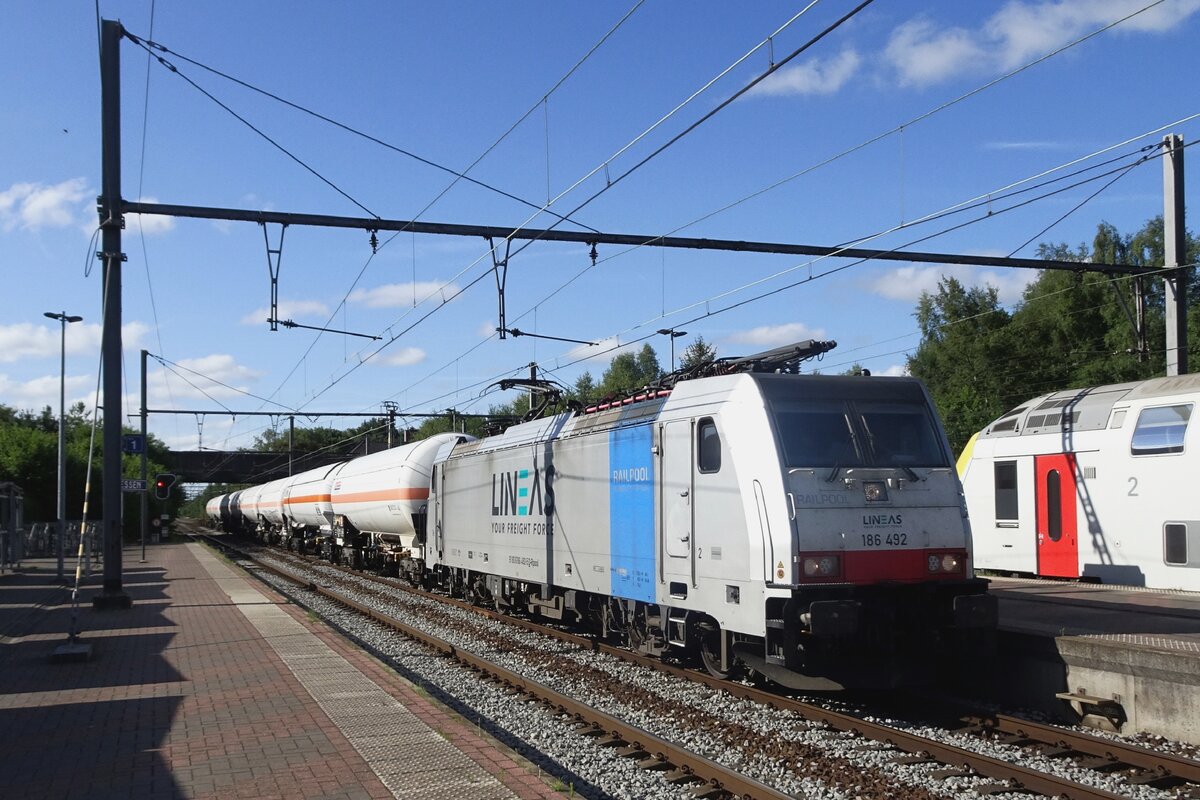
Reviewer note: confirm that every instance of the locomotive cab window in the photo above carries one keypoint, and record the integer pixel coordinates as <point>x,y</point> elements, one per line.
<point>1160,431</point>
<point>708,446</point>
<point>817,437</point>
<point>1006,494</point>
<point>900,435</point>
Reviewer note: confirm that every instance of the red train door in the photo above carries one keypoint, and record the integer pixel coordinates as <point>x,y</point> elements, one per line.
<point>1057,537</point>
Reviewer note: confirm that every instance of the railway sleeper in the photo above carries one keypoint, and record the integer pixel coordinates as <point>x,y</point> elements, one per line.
<point>999,788</point>
<point>682,775</point>
<point>1159,780</point>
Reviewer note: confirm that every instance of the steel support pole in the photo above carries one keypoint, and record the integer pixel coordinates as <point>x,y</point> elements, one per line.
<point>145,502</point>
<point>291,441</point>
<point>1174,254</point>
<point>62,448</point>
<point>110,348</point>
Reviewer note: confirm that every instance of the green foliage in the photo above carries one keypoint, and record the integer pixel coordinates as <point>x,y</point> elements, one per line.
<point>959,355</point>
<point>29,458</point>
<point>629,372</point>
<point>1069,330</point>
<point>696,353</point>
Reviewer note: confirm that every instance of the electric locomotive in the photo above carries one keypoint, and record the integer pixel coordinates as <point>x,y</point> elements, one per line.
<point>811,528</point>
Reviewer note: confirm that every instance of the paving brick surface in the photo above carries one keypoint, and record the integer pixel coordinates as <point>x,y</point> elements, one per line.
<point>213,687</point>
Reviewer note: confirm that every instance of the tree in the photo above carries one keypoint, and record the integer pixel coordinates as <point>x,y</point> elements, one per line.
<point>629,372</point>
<point>697,353</point>
<point>29,458</point>
<point>959,355</point>
<point>1069,330</point>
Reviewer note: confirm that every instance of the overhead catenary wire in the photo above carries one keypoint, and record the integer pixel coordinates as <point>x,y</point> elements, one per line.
<point>920,117</point>
<point>924,116</point>
<point>150,46</point>
<point>616,337</point>
<point>599,168</point>
<point>457,176</point>
<point>308,167</point>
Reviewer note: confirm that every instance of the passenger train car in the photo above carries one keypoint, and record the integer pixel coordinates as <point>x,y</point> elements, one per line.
<point>1091,483</point>
<point>809,527</point>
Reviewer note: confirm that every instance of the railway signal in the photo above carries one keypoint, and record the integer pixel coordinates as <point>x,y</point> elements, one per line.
<point>163,482</point>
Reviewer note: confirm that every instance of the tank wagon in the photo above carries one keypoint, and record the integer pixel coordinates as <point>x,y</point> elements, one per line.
<point>1091,483</point>
<point>811,528</point>
<point>379,503</point>
<point>308,508</point>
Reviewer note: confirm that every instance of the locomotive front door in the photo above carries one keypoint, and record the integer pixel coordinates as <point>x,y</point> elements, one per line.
<point>676,502</point>
<point>1057,536</point>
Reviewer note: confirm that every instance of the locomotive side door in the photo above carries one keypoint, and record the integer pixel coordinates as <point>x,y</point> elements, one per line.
<point>677,509</point>
<point>1057,535</point>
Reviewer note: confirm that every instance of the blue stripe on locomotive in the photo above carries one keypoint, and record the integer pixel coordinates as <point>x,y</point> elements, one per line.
<point>631,513</point>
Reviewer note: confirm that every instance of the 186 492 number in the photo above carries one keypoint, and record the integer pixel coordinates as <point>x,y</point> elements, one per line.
<point>882,539</point>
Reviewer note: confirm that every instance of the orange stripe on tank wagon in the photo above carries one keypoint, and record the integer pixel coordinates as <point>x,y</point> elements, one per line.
<point>309,498</point>
<point>382,494</point>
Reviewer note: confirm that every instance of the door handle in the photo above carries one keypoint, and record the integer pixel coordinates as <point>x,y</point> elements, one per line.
<point>684,493</point>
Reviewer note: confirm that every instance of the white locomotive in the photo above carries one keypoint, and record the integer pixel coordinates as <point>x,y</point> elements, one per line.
<point>809,527</point>
<point>1091,483</point>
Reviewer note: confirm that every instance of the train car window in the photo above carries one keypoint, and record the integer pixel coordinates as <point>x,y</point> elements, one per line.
<point>1118,418</point>
<point>1054,505</point>
<point>817,437</point>
<point>1006,491</point>
<point>901,436</point>
<point>1160,430</point>
<point>708,446</point>
<point>1175,544</point>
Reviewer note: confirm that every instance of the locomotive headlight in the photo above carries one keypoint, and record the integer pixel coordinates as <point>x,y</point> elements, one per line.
<point>945,562</point>
<point>875,490</point>
<point>822,566</point>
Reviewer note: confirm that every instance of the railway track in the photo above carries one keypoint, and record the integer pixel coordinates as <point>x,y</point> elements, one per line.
<point>946,765</point>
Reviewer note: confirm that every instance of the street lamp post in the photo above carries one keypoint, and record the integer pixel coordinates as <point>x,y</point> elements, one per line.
<point>674,334</point>
<point>63,318</point>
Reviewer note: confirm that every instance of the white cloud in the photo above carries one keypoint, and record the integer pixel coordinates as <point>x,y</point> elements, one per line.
<point>212,376</point>
<point>1023,31</point>
<point>777,335</point>
<point>909,282</point>
<point>922,53</point>
<point>36,393</point>
<point>288,309</point>
<point>35,205</point>
<point>399,295</point>
<point>404,357</point>
<point>149,224</point>
<point>487,329</point>
<point>815,76</point>
<point>27,340</point>
<point>894,371</point>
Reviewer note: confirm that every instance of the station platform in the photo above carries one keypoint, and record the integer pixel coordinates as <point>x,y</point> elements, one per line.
<point>1121,658</point>
<point>212,685</point>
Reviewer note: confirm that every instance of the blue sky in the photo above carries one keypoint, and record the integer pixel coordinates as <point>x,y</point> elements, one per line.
<point>444,81</point>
